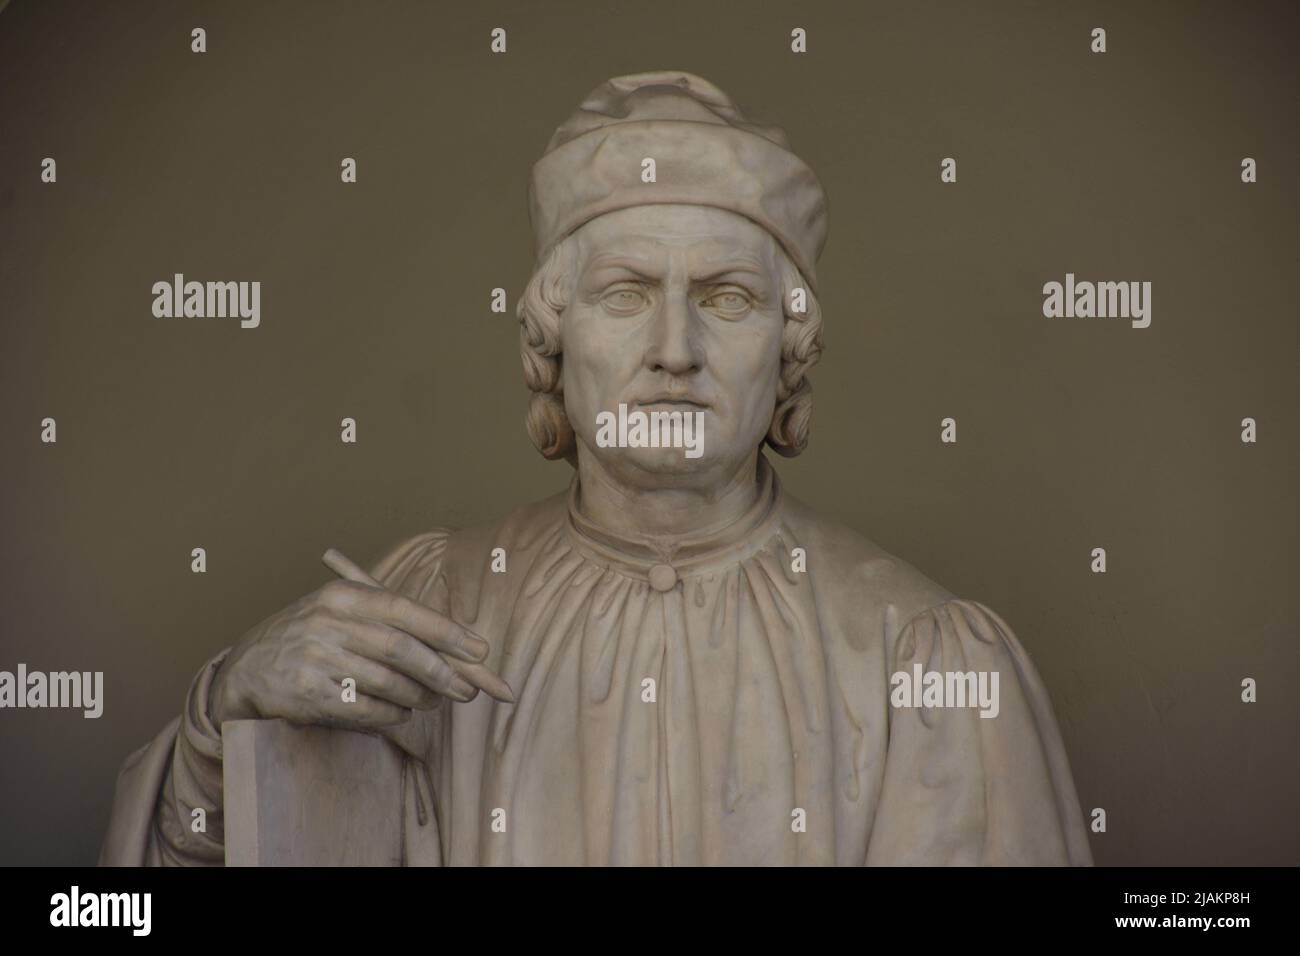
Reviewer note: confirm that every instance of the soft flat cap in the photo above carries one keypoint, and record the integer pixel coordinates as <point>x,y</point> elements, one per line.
<point>706,154</point>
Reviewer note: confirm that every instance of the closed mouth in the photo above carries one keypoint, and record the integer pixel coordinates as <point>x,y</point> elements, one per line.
<point>683,404</point>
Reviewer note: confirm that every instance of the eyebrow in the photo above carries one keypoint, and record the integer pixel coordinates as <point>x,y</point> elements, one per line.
<point>630,263</point>
<point>732,267</point>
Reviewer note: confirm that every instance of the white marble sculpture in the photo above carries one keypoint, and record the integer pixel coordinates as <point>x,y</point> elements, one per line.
<point>675,661</point>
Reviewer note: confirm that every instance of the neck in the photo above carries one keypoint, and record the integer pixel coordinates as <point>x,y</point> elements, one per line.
<point>647,511</point>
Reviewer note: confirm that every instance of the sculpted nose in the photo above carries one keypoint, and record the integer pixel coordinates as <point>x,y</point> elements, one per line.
<point>673,344</point>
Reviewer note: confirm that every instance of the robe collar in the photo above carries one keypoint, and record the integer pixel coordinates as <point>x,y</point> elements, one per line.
<point>647,557</point>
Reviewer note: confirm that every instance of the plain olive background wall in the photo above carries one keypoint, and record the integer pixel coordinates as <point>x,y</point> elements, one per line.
<point>1073,433</point>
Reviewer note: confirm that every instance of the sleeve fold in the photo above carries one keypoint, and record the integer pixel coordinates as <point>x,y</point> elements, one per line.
<point>976,773</point>
<point>152,821</point>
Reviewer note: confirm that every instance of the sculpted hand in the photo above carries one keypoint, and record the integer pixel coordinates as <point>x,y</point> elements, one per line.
<point>402,655</point>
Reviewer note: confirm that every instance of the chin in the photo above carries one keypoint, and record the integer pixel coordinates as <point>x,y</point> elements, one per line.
<point>671,461</point>
<point>653,469</point>
<point>661,462</point>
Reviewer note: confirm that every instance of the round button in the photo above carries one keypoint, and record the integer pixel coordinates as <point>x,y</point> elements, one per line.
<point>663,577</point>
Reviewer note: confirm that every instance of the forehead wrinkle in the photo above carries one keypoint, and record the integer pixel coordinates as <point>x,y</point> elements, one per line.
<point>637,253</point>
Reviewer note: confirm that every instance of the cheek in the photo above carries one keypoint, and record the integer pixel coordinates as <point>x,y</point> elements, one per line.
<point>763,387</point>
<point>589,370</point>
<point>752,365</point>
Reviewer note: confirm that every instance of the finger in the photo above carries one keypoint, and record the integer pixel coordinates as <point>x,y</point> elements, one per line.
<point>480,676</point>
<point>365,712</point>
<point>346,568</point>
<point>396,649</point>
<point>436,630</point>
<point>384,682</point>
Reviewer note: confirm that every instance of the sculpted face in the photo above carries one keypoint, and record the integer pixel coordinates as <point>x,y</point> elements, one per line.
<point>674,308</point>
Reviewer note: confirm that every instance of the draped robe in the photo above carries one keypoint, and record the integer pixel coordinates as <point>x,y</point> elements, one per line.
<point>695,700</point>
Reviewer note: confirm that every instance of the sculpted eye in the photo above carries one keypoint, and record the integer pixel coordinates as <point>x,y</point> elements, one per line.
<point>729,303</point>
<point>624,300</point>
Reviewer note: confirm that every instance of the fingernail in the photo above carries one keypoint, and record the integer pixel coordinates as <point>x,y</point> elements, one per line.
<point>476,647</point>
<point>504,691</point>
<point>462,688</point>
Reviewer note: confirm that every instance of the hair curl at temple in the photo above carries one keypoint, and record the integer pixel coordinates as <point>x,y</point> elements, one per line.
<point>539,312</point>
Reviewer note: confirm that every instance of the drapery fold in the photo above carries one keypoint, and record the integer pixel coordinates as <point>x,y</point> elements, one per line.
<point>728,708</point>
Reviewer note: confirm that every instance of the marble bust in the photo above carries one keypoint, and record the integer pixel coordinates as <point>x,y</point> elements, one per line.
<point>674,661</point>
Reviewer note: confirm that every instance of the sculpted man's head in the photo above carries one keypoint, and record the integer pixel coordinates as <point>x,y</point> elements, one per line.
<point>676,248</point>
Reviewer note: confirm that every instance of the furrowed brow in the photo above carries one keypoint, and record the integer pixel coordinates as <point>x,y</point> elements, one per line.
<point>718,269</point>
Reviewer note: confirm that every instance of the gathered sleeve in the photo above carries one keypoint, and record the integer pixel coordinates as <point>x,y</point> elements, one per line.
<point>153,821</point>
<point>412,567</point>
<point>965,789</point>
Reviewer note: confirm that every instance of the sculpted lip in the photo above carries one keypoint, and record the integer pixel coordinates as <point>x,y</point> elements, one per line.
<point>664,399</point>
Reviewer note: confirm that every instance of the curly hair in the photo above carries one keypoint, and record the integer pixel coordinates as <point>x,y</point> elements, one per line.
<point>546,297</point>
